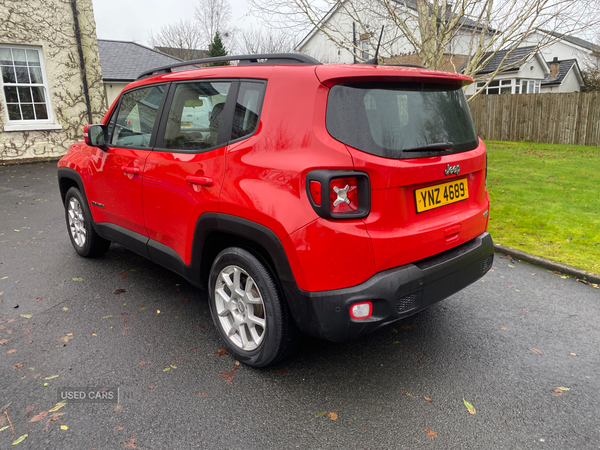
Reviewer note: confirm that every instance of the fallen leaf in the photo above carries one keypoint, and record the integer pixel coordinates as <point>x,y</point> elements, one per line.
<point>470,407</point>
<point>77,279</point>
<point>142,363</point>
<point>221,352</point>
<point>573,354</point>
<point>535,350</point>
<point>18,366</point>
<point>185,300</point>
<point>65,308</point>
<point>145,307</point>
<point>66,338</point>
<point>281,372</point>
<point>39,416</point>
<point>193,349</point>
<point>130,443</point>
<point>3,341</point>
<point>52,377</point>
<point>119,291</point>
<point>64,427</point>
<point>511,266</point>
<point>430,433</point>
<point>428,399</point>
<point>557,392</point>
<point>19,440</point>
<point>118,408</point>
<point>332,415</point>
<point>203,394</point>
<point>564,388</point>
<point>26,316</point>
<point>321,414</point>
<point>166,369</point>
<point>504,328</point>
<point>54,417</point>
<point>37,299</point>
<point>122,274</point>
<point>202,326</point>
<point>409,394</point>
<point>4,428</point>
<point>526,310</point>
<point>119,428</point>
<point>227,375</point>
<point>151,387</point>
<point>107,317</point>
<point>29,408</point>
<point>30,342</point>
<point>14,350</point>
<point>58,406</point>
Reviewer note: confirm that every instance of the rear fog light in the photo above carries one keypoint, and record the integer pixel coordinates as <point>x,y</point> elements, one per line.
<point>361,310</point>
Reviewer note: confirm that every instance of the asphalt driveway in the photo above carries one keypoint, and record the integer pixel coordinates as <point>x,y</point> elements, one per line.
<point>120,322</point>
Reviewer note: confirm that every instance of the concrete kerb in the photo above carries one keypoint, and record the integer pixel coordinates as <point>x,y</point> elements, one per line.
<point>548,264</point>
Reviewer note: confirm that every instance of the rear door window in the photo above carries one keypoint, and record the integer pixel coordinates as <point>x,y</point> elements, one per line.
<point>401,120</point>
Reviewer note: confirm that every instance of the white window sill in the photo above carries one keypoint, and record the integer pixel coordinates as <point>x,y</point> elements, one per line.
<point>33,127</point>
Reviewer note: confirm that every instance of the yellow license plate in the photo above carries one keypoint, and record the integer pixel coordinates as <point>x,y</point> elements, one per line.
<point>440,195</point>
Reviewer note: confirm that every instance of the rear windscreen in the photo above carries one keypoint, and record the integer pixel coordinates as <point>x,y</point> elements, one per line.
<point>401,120</point>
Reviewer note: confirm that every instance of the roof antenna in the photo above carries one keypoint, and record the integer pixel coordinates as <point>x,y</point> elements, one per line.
<point>374,61</point>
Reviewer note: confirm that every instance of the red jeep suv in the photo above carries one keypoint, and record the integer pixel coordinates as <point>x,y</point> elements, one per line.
<point>325,199</point>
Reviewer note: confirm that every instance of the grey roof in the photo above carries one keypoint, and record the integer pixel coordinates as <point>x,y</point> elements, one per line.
<point>124,61</point>
<point>575,40</point>
<point>517,57</point>
<point>189,53</point>
<point>563,70</point>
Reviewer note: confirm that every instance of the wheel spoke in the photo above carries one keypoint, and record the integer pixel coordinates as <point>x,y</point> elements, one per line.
<point>257,321</point>
<point>236,278</point>
<point>243,336</point>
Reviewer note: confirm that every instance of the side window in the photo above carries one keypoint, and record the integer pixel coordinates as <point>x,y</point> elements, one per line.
<point>132,125</point>
<point>247,109</point>
<point>195,116</point>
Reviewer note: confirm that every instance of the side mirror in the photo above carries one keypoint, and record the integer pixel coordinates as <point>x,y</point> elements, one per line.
<point>95,135</point>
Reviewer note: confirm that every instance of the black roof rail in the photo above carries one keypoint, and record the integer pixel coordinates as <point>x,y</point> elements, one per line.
<point>270,58</point>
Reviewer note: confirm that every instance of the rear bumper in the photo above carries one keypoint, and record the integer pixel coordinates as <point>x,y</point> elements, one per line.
<point>396,293</point>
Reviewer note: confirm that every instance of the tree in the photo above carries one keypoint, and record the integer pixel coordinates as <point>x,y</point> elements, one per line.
<point>252,42</point>
<point>218,49</point>
<point>182,38</point>
<point>213,16</point>
<point>591,78</point>
<point>185,37</point>
<point>434,30</point>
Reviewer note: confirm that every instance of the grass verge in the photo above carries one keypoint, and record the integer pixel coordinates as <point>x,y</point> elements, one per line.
<point>545,200</point>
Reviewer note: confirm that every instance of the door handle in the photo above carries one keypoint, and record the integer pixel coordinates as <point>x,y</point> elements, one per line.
<point>202,181</point>
<point>133,170</point>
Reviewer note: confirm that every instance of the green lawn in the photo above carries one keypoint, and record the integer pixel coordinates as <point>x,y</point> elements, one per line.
<point>545,200</point>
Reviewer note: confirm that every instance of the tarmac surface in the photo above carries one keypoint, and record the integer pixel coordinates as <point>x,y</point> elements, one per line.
<point>521,346</point>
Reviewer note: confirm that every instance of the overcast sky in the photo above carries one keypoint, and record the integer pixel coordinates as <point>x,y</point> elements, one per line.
<point>132,20</point>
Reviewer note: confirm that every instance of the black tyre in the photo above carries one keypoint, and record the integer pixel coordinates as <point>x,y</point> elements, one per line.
<point>84,238</point>
<point>248,309</point>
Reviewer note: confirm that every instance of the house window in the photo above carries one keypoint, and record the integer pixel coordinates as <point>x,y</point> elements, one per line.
<point>530,86</point>
<point>24,86</point>
<point>364,46</point>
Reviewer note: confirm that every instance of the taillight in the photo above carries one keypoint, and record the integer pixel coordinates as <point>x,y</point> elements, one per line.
<point>86,136</point>
<point>343,195</point>
<point>336,194</point>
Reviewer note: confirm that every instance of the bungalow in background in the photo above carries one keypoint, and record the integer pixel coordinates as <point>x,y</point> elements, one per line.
<point>123,61</point>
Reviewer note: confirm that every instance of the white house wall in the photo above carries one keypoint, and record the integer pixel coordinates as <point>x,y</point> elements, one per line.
<point>321,47</point>
<point>569,84</point>
<point>562,50</point>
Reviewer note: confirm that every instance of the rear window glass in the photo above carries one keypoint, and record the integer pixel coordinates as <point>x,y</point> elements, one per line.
<point>401,120</point>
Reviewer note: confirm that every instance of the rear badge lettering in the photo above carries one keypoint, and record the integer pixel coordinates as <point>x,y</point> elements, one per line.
<point>452,170</point>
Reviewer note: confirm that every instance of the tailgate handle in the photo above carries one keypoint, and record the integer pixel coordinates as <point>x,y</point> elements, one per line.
<point>202,181</point>
<point>451,233</point>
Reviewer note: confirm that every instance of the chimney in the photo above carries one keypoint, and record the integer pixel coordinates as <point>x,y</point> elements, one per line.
<point>554,69</point>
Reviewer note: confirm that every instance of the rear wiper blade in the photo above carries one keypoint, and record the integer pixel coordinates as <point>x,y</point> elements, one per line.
<point>438,146</point>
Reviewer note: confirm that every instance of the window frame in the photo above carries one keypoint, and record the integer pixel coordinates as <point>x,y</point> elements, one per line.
<point>157,121</point>
<point>225,129</point>
<point>29,124</point>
